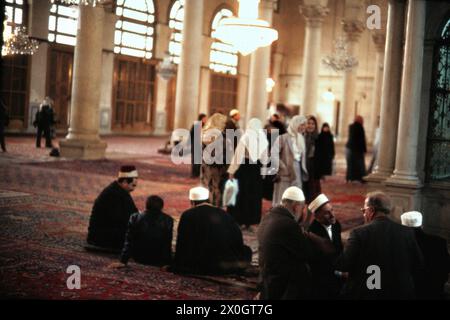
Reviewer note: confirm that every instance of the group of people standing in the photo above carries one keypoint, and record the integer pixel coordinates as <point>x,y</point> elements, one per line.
<point>302,155</point>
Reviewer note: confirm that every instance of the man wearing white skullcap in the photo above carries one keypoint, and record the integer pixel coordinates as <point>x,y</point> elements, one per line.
<point>327,282</point>
<point>285,250</point>
<point>209,241</point>
<point>430,281</point>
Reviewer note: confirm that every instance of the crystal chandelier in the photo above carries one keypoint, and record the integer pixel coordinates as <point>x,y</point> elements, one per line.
<point>19,43</point>
<point>340,60</point>
<point>166,69</point>
<point>92,3</point>
<point>246,33</point>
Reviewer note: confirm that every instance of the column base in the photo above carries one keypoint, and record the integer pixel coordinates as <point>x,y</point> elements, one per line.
<point>403,199</point>
<point>83,149</point>
<point>404,181</point>
<point>377,177</point>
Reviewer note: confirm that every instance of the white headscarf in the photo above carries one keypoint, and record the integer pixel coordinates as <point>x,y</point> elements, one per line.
<point>254,139</point>
<point>294,124</point>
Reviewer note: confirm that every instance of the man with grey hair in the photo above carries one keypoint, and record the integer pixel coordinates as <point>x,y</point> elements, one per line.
<point>381,257</point>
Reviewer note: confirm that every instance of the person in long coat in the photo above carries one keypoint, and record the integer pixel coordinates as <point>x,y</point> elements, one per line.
<point>284,250</point>
<point>208,239</point>
<point>312,186</point>
<point>382,253</point>
<point>291,151</point>
<point>325,152</point>
<point>112,210</point>
<point>355,151</point>
<point>246,164</point>
<point>4,121</point>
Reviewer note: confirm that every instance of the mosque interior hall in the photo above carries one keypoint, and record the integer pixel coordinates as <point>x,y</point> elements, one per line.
<point>123,78</point>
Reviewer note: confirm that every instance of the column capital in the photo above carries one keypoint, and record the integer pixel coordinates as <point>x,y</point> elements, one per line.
<point>353,29</point>
<point>314,14</point>
<point>379,38</point>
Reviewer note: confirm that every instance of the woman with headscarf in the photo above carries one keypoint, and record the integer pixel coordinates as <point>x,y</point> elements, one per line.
<point>250,155</point>
<point>324,152</point>
<point>291,151</point>
<point>355,150</point>
<point>312,187</point>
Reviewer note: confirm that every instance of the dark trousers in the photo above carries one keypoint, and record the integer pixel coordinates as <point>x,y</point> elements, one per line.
<point>48,139</point>
<point>2,137</point>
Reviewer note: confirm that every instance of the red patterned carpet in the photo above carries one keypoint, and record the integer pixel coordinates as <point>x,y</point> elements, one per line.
<point>44,212</point>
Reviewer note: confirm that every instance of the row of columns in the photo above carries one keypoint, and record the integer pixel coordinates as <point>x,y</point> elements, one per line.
<point>401,94</point>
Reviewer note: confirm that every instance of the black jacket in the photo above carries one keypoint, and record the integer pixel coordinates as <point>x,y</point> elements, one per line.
<point>431,279</point>
<point>109,218</point>
<point>148,239</point>
<point>324,154</point>
<point>209,242</point>
<point>326,284</point>
<point>388,245</point>
<point>284,252</point>
<point>44,117</point>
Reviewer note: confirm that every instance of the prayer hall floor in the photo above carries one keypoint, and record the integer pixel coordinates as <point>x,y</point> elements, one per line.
<point>45,205</point>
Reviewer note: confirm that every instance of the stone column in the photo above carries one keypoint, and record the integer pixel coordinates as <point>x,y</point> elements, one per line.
<point>83,141</point>
<point>277,63</point>
<point>353,30</point>
<point>188,78</point>
<point>390,92</point>
<point>259,72</point>
<point>379,39</point>
<point>405,173</point>
<point>38,28</point>
<point>314,14</point>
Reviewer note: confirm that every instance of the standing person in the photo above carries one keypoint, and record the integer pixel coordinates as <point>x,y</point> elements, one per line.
<point>355,150</point>
<point>430,281</point>
<point>214,166</point>
<point>383,250</point>
<point>312,186</point>
<point>112,210</point>
<point>209,241</point>
<point>43,121</point>
<point>246,164</point>
<point>233,119</point>
<point>290,151</point>
<point>4,122</point>
<point>326,281</point>
<point>149,236</point>
<point>274,129</point>
<point>196,145</point>
<point>324,152</point>
<point>376,145</point>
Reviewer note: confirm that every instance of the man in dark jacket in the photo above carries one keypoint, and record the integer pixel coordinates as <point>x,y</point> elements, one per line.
<point>355,151</point>
<point>381,257</point>
<point>149,235</point>
<point>285,250</point>
<point>209,241</point>
<point>112,210</point>
<point>431,279</point>
<point>327,283</point>
<point>43,121</point>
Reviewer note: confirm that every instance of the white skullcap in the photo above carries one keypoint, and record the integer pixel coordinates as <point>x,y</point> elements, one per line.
<point>294,194</point>
<point>234,112</point>
<point>412,219</point>
<point>198,194</point>
<point>318,202</point>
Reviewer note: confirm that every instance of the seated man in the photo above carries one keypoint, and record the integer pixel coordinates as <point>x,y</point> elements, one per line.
<point>149,235</point>
<point>327,283</point>
<point>209,240</point>
<point>430,281</point>
<point>112,210</point>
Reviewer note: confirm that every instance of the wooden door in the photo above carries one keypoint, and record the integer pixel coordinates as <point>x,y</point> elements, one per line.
<point>133,95</point>
<point>59,83</point>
